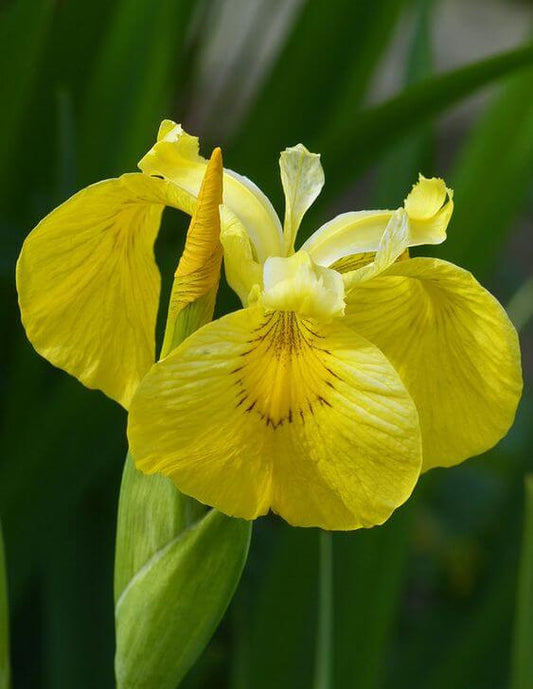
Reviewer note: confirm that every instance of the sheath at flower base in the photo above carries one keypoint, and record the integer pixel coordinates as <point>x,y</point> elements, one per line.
<point>350,369</point>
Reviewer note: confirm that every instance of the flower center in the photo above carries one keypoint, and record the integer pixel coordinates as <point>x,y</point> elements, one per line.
<point>295,283</point>
<point>286,372</point>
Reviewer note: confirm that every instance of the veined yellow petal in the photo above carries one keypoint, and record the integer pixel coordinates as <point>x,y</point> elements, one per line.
<point>260,411</point>
<point>454,347</point>
<point>175,157</point>
<point>242,270</point>
<point>428,207</point>
<point>88,283</point>
<point>392,246</point>
<point>349,233</point>
<point>302,178</point>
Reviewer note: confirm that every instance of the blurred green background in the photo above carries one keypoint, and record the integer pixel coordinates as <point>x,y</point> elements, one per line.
<point>383,89</point>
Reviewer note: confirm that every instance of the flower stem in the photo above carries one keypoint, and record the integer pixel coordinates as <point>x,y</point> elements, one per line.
<point>324,641</point>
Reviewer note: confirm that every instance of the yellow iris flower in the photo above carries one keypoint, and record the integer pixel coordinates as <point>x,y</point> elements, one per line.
<point>351,368</point>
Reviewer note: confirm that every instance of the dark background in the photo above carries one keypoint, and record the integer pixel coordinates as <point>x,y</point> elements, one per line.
<point>426,601</point>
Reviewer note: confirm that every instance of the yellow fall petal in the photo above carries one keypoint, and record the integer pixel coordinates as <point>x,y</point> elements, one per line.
<point>175,157</point>
<point>453,346</point>
<point>302,178</point>
<point>88,283</point>
<point>260,411</point>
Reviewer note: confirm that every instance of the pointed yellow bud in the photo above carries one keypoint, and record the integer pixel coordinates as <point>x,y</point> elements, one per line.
<point>198,272</point>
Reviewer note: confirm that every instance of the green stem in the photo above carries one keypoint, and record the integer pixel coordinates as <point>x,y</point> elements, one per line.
<point>324,642</point>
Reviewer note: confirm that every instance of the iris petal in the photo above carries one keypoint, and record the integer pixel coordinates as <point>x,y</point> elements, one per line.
<point>89,286</point>
<point>302,178</point>
<point>454,347</point>
<point>428,206</point>
<point>266,410</point>
<point>175,157</point>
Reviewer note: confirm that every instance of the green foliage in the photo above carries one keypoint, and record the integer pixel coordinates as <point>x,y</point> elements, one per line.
<point>175,572</point>
<point>522,668</point>
<point>4,621</point>
<point>23,29</point>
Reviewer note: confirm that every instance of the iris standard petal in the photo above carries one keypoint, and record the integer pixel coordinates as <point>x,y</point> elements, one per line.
<point>302,178</point>
<point>349,233</point>
<point>454,347</point>
<point>89,286</point>
<point>428,206</point>
<point>175,157</point>
<point>242,270</point>
<point>266,410</point>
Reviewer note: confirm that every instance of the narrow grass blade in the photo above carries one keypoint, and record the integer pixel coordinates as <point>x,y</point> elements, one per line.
<point>23,29</point>
<point>492,178</point>
<point>4,621</point>
<point>134,78</point>
<point>277,610</point>
<point>414,153</point>
<point>333,49</point>
<point>324,645</point>
<point>522,664</point>
<point>369,575</point>
<point>374,130</point>
<point>520,308</point>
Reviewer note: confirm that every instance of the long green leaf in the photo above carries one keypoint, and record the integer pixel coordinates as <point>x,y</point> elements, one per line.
<point>371,132</point>
<point>492,177</point>
<point>520,307</point>
<point>4,621</point>
<point>195,575</point>
<point>522,666</point>
<point>134,78</point>
<point>276,612</point>
<point>413,154</point>
<point>369,575</point>
<point>333,49</point>
<point>23,29</point>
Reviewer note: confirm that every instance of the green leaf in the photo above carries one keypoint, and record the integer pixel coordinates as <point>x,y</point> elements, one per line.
<point>413,154</point>
<point>332,49</point>
<point>23,29</point>
<point>522,665</point>
<point>178,595</point>
<point>371,132</point>
<point>520,308</point>
<point>369,575</point>
<point>4,621</point>
<point>130,90</point>
<point>276,613</point>
<point>492,178</point>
